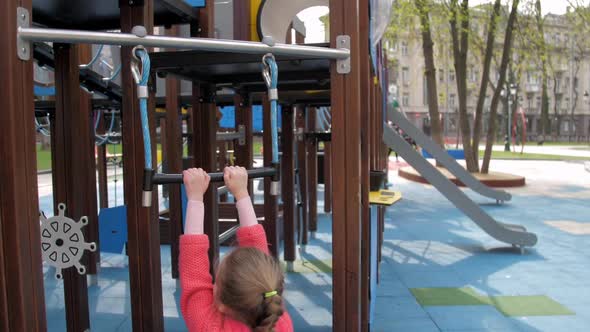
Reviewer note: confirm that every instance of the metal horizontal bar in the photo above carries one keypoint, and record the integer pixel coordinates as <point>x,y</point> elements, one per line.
<point>255,173</point>
<point>229,233</point>
<point>229,136</point>
<point>202,44</point>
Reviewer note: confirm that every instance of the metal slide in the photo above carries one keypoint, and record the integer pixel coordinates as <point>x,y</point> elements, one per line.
<point>511,234</point>
<point>444,158</point>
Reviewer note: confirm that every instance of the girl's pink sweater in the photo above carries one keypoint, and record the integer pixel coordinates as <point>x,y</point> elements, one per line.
<point>197,304</point>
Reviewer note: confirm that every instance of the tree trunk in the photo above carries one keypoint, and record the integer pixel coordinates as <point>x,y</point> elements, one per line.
<point>477,125</point>
<point>430,72</point>
<point>460,47</point>
<point>545,125</point>
<point>506,52</point>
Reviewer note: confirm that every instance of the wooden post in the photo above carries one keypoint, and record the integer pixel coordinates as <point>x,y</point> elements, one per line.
<point>312,170</point>
<point>288,183</point>
<point>366,159</point>
<point>204,135</point>
<point>303,211</point>
<point>174,160</point>
<point>204,144</point>
<point>270,201</point>
<point>241,20</point>
<point>101,165</point>
<point>346,141</point>
<point>327,177</point>
<point>143,245</point>
<point>72,151</point>
<point>244,154</point>
<point>22,299</point>
<point>85,101</point>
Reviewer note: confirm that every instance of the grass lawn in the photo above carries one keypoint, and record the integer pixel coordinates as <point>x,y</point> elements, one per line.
<point>530,156</point>
<point>43,159</point>
<point>559,144</point>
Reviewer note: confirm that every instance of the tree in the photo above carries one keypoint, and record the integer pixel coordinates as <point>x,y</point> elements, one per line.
<point>488,55</point>
<point>459,23</point>
<point>506,55</point>
<point>423,9</point>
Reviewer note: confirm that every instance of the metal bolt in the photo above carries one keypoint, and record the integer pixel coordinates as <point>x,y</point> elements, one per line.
<point>24,50</point>
<point>23,16</point>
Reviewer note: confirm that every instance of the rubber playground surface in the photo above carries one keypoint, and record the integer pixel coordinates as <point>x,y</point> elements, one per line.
<point>439,271</point>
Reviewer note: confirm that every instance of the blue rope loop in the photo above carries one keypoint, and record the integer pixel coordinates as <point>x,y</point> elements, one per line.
<point>271,76</point>
<point>142,78</point>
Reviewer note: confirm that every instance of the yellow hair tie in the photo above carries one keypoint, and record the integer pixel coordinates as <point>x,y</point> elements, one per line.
<point>270,294</point>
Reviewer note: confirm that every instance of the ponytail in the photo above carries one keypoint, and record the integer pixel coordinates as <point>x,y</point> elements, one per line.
<point>271,311</point>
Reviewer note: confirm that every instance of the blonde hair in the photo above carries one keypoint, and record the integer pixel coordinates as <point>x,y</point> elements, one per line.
<point>243,278</point>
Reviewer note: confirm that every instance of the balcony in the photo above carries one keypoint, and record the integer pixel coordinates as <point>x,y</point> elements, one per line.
<point>532,88</point>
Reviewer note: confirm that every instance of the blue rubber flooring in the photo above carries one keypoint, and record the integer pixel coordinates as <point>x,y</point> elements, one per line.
<point>427,243</point>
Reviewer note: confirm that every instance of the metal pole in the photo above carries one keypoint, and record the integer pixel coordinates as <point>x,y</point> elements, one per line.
<point>261,172</point>
<point>508,132</point>
<point>201,44</point>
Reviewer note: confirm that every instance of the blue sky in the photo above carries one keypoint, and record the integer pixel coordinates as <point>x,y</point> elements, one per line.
<point>315,29</point>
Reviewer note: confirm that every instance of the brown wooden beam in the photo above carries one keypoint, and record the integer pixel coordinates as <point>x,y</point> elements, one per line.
<point>288,183</point>
<point>241,20</point>
<point>92,261</point>
<point>303,210</point>
<point>244,154</point>
<point>101,166</point>
<point>204,144</point>
<point>327,177</point>
<point>270,201</point>
<point>22,299</point>
<point>204,134</point>
<point>71,150</point>
<point>173,158</point>
<point>366,159</point>
<point>346,141</point>
<point>143,244</point>
<point>312,170</point>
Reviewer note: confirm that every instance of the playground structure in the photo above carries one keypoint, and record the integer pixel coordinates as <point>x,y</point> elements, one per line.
<point>301,68</point>
<point>349,76</point>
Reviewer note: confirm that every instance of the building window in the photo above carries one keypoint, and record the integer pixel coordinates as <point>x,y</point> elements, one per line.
<point>406,99</point>
<point>539,103</point>
<point>473,74</point>
<point>531,78</point>
<point>404,48</point>
<point>452,100</point>
<point>557,38</point>
<point>441,75</point>
<point>405,75</point>
<point>452,76</point>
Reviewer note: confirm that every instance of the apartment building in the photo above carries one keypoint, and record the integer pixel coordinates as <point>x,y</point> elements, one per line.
<point>568,84</point>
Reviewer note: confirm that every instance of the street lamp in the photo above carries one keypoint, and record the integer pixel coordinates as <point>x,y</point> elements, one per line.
<point>509,94</point>
<point>511,98</point>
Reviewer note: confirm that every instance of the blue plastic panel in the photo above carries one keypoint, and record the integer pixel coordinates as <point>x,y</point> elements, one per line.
<point>228,119</point>
<point>196,3</point>
<point>112,229</point>
<point>44,91</point>
<point>456,154</point>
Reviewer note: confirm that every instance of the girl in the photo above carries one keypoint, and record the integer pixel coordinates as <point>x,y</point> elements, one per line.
<point>247,294</point>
